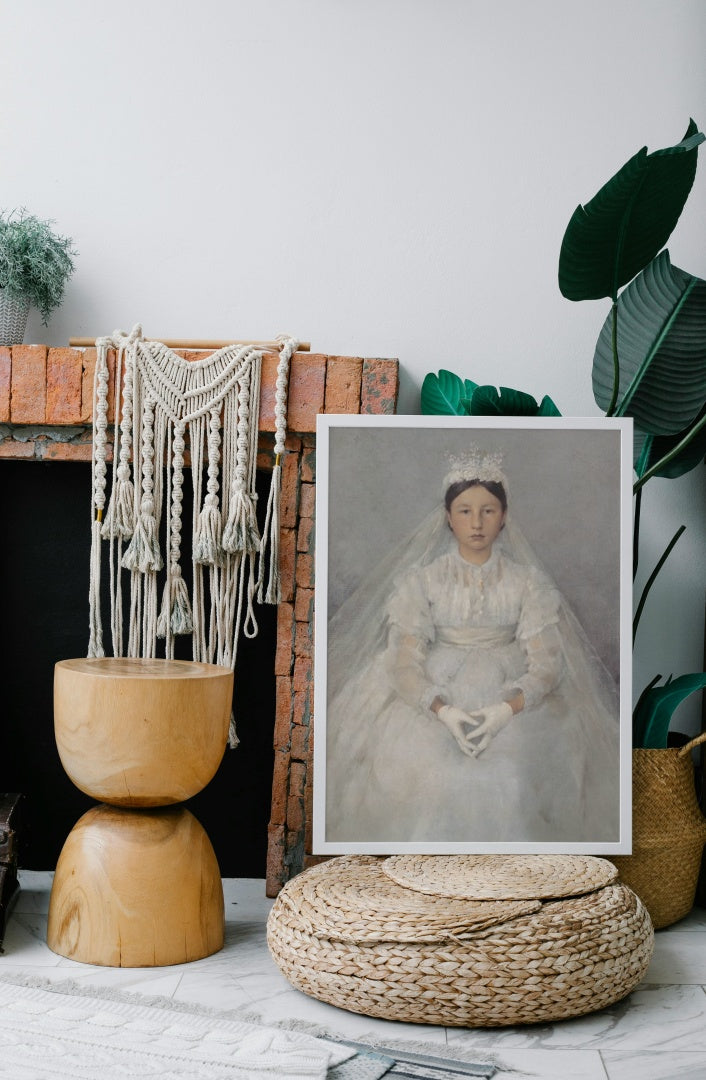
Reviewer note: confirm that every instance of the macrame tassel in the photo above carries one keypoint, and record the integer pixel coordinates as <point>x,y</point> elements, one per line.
<point>175,614</point>
<point>241,532</point>
<point>143,552</point>
<point>273,593</point>
<point>120,518</point>
<point>208,548</point>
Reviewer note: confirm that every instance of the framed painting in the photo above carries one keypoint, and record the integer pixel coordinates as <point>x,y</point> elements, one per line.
<point>472,677</point>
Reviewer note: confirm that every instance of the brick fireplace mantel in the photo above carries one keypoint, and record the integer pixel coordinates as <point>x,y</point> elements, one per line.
<point>46,399</point>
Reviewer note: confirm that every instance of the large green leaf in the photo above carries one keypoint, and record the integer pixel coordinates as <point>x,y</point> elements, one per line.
<point>661,342</point>
<point>653,713</point>
<point>648,450</point>
<point>610,239</point>
<point>446,394</point>
<point>502,401</point>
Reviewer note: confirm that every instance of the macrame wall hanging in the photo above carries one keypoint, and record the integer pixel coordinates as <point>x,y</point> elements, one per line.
<point>214,403</point>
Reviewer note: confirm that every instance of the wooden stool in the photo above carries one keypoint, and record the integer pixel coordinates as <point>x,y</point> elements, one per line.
<point>137,886</point>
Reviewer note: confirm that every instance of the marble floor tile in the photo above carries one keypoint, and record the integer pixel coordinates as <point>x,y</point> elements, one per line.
<point>548,1064</point>
<point>652,1017</point>
<point>677,1065</point>
<point>679,957</point>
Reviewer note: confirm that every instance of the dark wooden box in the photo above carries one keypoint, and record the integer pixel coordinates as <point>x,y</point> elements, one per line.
<point>10,833</point>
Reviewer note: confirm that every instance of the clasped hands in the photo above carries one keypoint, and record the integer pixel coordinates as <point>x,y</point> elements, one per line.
<point>474,730</point>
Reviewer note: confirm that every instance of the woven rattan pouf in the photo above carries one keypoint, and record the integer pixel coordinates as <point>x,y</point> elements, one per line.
<point>467,941</point>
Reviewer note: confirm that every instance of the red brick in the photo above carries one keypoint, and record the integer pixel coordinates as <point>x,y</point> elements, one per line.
<point>5,374</point>
<point>292,443</point>
<point>302,674</point>
<point>307,383</point>
<point>307,500</point>
<point>306,391</point>
<point>295,817</point>
<point>297,779</point>
<point>343,381</point>
<point>11,448</point>
<point>303,641</point>
<point>305,571</point>
<point>280,785</point>
<point>300,738</point>
<point>88,372</point>
<point>275,860</point>
<point>28,399</point>
<point>304,605</point>
<point>53,451</point>
<point>305,535</point>
<point>379,387</point>
<point>308,810</point>
<point>301,711</point>
<point>285,639</point>
<point>283,712</point>
<point>289,500</point>
<point>64,378</point>
<point>267,391</point>
<point>308,464</point>
<point>287,562</point>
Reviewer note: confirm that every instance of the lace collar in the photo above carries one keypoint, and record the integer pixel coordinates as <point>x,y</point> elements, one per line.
<point>483,569</point>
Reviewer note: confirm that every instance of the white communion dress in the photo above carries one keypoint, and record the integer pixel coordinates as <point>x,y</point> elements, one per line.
<point>473,636</point>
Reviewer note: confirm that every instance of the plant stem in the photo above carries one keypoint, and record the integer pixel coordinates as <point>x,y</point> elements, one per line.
<point>652,577</point>
<point>616,365</point>
<point>692,433</point>
<point>636,533</point>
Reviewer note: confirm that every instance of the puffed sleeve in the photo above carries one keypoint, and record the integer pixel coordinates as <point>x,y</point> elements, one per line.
<point>538,635</point>
<point>410,632</point>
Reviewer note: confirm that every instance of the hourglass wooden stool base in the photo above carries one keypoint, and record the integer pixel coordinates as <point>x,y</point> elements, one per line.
<point>136,888</point>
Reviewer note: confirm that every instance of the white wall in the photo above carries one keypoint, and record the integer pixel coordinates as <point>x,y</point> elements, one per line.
<point>382,177</point>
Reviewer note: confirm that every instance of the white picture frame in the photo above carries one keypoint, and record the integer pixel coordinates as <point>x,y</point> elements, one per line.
<point>570,492</point>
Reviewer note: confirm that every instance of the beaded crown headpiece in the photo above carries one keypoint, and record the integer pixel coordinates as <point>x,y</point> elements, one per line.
<point>476,465</point>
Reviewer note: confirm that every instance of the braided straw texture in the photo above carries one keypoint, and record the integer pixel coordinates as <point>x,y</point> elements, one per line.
<point>668,833</point>
<point>501,877</point>
<point>362,904</point>
<point>568,958</point>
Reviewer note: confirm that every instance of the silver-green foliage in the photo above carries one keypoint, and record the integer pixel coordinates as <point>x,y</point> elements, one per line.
<point>35,262</point>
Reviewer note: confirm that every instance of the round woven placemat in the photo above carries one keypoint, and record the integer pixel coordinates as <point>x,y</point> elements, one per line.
<point>360,903</point>
<point>500,877</point>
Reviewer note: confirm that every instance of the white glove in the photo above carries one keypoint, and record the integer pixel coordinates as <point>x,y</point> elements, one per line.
<point>490,720</point>
<point>458,722</point>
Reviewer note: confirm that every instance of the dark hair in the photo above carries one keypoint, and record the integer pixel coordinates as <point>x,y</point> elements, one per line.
<point>493,486</point>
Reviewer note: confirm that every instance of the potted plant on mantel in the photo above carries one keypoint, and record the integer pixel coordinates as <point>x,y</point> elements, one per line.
<point>650,364</point>
<point>35,264</point>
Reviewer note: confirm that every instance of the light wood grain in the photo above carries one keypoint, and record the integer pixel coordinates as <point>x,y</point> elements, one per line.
<point>196,343</point>
<point>141,732</point>
<point>136,888</point>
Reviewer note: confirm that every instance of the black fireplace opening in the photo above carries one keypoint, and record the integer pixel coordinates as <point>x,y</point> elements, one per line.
<point>45,525</point>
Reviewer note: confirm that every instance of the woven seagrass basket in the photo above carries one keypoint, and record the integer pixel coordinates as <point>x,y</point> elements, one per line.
<point>668,833</point>
<point>13,319</point>
<point>347,933</point>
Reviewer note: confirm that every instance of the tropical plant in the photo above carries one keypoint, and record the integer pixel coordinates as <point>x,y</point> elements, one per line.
<point>650,358</point>
<point>35,263</point>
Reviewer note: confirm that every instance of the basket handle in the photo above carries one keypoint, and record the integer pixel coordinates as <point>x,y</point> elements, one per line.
<point>690,745</point>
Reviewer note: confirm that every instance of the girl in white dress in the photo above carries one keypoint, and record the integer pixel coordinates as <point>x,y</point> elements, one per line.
<point>481,714</point>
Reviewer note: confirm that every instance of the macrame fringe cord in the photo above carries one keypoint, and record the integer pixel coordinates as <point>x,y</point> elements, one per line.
<point>273,593</point>
<point>158,397</point>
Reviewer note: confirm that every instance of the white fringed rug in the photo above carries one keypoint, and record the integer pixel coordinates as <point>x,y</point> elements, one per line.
<point>63,1031</point>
